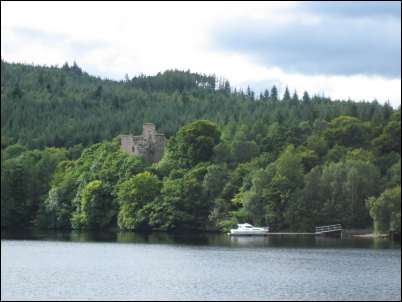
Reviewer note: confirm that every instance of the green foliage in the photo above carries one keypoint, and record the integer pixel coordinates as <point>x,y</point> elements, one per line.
<point>289,165</point>
<point>175,80</point>
<point>270,191</point>
<point>394,175</point>
<point>386,211</point>
<point>244,151</point>
<point>184,203</point>
<point>390,138</point>
<point>318,144</point>
<point>348,131</point>
<point>95,209</point>
<point>13,151</point>
<point>64,107</point>
<point>16,203</point>
<point>230,158</point>
<point>71,198</point>
<point>133,195</point>
<point>223,153</point>
<point>195,143</point>
<point>340,191</point>
<point>25,181</point>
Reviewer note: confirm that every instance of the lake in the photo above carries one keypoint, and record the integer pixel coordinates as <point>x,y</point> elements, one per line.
<point>127,266</point>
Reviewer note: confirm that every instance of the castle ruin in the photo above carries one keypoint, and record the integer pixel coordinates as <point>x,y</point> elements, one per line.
<point>150,144</point>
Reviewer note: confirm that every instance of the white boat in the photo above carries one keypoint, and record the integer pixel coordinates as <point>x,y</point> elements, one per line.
<point>245,229</point>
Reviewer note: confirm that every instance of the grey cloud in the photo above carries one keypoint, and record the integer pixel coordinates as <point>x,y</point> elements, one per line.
<point>336,46</point>
<point>354,8</point>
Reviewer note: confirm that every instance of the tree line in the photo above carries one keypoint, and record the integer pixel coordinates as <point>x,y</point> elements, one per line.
<point>231,157</point>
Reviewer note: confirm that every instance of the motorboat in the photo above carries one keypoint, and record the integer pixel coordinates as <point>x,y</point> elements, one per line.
<point>246,229</point>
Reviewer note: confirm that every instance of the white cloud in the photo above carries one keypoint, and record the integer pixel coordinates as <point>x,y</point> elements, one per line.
<point>356,87</point>
<point>111,39</point>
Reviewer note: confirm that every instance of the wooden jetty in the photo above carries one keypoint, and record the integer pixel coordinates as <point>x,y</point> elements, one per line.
<point>334,230</point>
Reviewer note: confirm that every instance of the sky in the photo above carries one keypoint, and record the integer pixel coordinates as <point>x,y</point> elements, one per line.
<point>343,50</point>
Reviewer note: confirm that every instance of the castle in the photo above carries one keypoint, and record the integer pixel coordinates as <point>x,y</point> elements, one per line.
<point>150,144</point>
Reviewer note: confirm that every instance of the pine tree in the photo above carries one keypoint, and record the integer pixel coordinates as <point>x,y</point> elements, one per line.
<point>295,98</point>
<point>306,98</point>
<point>274,94</point>
<point>266,95</point>
<point>286,95</point>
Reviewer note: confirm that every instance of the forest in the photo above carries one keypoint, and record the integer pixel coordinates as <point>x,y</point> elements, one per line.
<point>288,161</point>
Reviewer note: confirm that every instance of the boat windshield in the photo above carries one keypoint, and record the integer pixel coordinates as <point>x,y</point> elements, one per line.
<point>245,225</point>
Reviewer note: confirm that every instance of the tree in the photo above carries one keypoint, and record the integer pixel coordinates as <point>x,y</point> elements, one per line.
<point>214,180</point>
<point>272,190</point>
<point>312,200</point>
<point>98,92</point>
<point>348,131</point>
<point>227,87</point>
<point>286,95</point>
<point>244,150</point>
<point>13,151</point>
<point>132,195</point>
<point>295,98</point>
<point>16,205</point>
<point>266,95</point>
<point>390,138</point>
<point>56,210</point>
<point>222,153</point>
<point>26,176</point>
<point>289,165</point>
<point>306,98</point>
<point>318,144</point>
<point>386,211</point>
<point>274,94</point>
<point>76,69</point>
<point>96,209</point>
<point>183,203</point>
<point>345,187</point>
<point>362,181</point>
<point>254,200</point>
<point>208,180</point>
<point>394,175</point>
<point>195,142</point>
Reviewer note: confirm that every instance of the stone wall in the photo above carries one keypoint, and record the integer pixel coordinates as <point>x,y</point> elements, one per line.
<point>150,144</point>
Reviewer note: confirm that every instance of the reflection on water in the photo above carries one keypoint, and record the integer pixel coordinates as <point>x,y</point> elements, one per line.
<point>208,239</point>
<point>40,265</point>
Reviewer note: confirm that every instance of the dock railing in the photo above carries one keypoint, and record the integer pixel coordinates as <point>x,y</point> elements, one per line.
<point>328,228</point>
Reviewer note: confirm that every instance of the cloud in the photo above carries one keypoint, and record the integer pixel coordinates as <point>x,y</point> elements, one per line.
<point>110,39</point>
<point>356,87</point>
<point>354,9</point>
<point>58,41</point>
<point>329,45</point>
<point>30,45</point>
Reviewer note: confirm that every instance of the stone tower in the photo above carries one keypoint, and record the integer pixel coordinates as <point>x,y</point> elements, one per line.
<point>150,144</point>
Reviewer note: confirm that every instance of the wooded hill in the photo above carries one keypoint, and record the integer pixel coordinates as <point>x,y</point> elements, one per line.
<point>288,161</point>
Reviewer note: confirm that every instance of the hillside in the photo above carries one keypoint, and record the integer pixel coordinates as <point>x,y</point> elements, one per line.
<point>288,161</point>
<point>62,107</point>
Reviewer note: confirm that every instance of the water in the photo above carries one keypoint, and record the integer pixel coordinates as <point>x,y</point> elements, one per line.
<point>126,266</point>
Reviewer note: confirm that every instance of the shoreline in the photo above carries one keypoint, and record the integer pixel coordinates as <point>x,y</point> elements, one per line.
<point>370,235</point>
<point>360,233</point>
